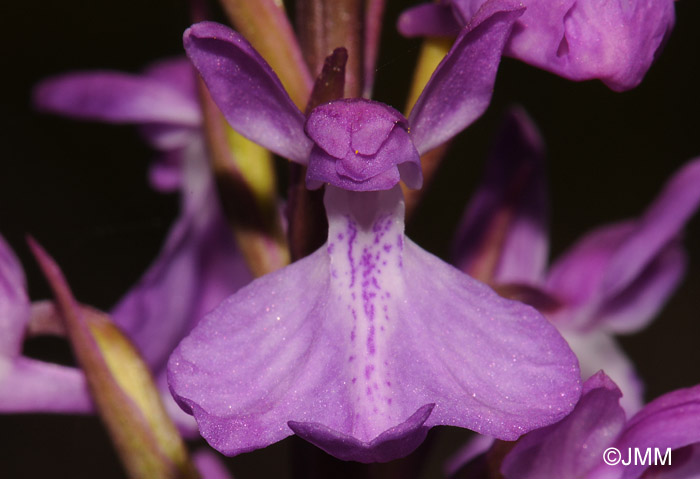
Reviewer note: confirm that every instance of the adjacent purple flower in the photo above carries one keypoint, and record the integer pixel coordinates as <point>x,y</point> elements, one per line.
<point>614,280</point>
<point>199,265</point>
<point>614,41</point>
<point>26,384</point>
<point>365,344</point>
<point>575,446</point>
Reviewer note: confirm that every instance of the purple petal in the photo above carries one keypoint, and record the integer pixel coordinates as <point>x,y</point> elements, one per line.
<point>246,90</point>
<point>209,464</point>
<point>428,19</point>
<point>686,465</point>
<point>574,446</point>
<point>14,303</point>
<point>624,273</point>
<point>597,350</point>
<point>503,236</point>
<point>198,267</point>
<point>361,145</point>
<point>662,222</point>
<point>31,386</point>
<point>613,41</point>
<point>119,98</point>
<point>353,340</point>
<point>398,441</point>
<point>671,421</point>
<point>460,89</point>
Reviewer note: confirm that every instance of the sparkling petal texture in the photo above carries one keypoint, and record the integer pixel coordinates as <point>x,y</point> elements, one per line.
<point>246,90</point>
<point>622,274</point>
<point>359,145</point>
<point>574,446</point>
<point>503,235</point>
<point>460,89</point>
<point>352,345</point>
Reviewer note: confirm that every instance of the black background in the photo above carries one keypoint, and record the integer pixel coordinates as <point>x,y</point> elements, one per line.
<point>80,188</point>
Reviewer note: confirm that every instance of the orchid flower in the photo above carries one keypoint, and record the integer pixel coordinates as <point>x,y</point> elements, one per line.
<point>575,447</point>
<point>26,384</point>
<point>199,264</point>
<point>365,344</point>
<point>613,281</point>
<point>614,41</point>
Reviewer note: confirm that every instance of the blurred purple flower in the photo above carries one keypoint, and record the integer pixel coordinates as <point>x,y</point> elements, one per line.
<point>26,384</point>
<point>614,280</point>
<point>614,41</point>
<point>199,265</point>
<point>575,446</point>
<point>365,344</point>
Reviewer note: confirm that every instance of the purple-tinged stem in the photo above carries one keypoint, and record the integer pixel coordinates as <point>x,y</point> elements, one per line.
<point>324,26</point>
<point>374,14</point>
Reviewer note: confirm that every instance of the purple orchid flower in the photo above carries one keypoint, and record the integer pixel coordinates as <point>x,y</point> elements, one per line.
<point>613,281</point>
<point>365,344</point>
<point>26,384</point>
<point>614,41</point>
<point>595,441</point>
<point>199,264</point>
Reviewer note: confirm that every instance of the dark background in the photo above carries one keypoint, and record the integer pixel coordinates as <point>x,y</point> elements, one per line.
<point>80,188</point>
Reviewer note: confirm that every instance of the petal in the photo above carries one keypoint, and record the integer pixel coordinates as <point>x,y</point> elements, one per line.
<point>359,145</point>
<point>503,236</point>
<point>574,446</point>
<point>671,421</point>
<point>686,465</point>
<point>246,90</point>
<point>209,464</point>
<point>119,98</point>
<point>662,222</point>
<point>197,268</point>
<point>399,441</point>
<point>14,303</point>
<point>635,306</point>
<point>428,19</point>
<point>31,386</point>
<point>623,273</point>
<point>597,350</point>
<point>613,41</point>
<point>350,343</point>
<point>460,89</point>
<point>354,124</point>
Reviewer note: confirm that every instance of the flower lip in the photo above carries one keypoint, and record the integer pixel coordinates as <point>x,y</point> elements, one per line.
<point>358,145</point>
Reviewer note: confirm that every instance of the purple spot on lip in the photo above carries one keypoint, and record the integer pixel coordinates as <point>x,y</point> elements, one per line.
<point>370,341</point>
<point>368,371</point>
<point>387,247</point>
<point>354,380</point>
<point>388,401</point>
<point>388,383</point>
<point>369,391</point>
<point>341,236</point>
